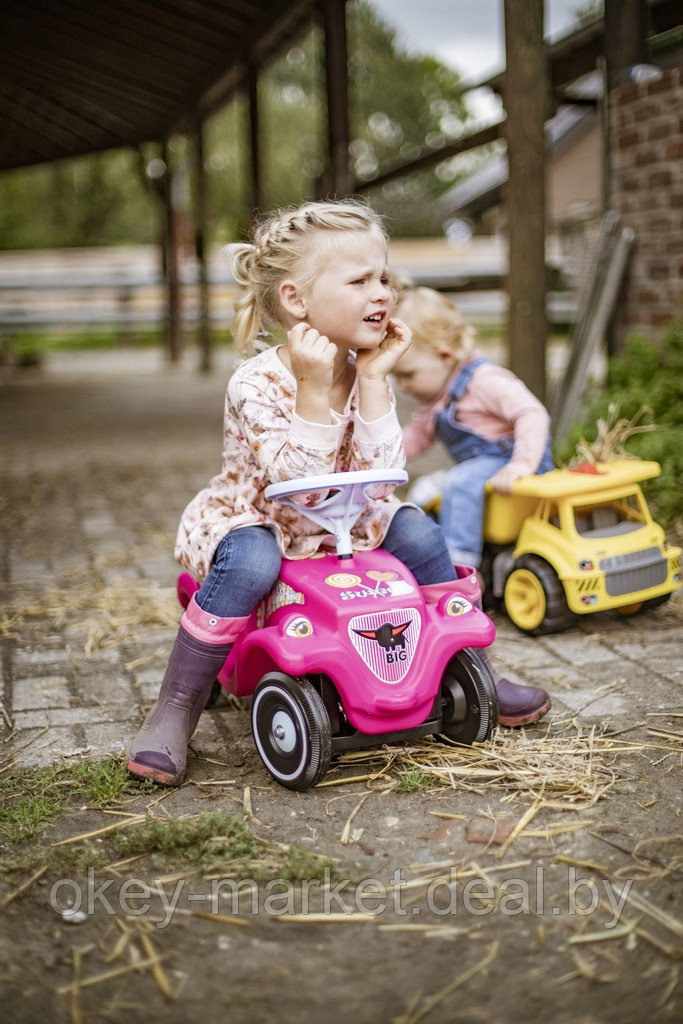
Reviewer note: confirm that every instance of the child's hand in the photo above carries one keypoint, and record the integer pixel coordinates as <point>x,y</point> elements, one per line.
<point>311,356</point>
<point>505,477</point>
<point>379,362</point>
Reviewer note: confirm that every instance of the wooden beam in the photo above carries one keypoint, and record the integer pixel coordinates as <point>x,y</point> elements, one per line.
<point>626,31</point>
<point>337,179</point>
<point>255,140</point>
<point>525,94</point>
<point>172,262</point>
<point>201,220</point>
<point>427,156</point>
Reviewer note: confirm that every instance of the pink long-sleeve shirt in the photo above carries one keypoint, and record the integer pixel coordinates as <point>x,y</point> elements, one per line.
<point>495,405</point>
<point>265,442</point>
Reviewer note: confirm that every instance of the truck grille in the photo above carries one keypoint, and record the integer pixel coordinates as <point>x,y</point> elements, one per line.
<point>638,570</point>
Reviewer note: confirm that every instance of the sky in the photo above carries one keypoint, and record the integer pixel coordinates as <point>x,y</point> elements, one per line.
<point>466,35</point>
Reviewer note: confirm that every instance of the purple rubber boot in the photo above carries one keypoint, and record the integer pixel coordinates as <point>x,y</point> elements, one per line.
<point>159,751</point>
<point>517,705</point>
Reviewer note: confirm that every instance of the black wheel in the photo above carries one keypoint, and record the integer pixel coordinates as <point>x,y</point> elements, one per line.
<point>534,598</point>
<point>656,602</point>
<point>469,701</point>
<point>291,730</point>
<point>489,601</point>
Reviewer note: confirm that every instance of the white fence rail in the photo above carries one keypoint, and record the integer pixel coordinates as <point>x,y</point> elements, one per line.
<point>121,289</point>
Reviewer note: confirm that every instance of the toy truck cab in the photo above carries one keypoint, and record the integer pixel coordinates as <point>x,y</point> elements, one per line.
<point>570,542</point>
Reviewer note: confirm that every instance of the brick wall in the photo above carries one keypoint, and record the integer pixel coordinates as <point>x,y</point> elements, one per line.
<point>647,190</point>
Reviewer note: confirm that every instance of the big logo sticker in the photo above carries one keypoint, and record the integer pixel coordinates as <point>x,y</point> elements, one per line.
<point>386,641</point>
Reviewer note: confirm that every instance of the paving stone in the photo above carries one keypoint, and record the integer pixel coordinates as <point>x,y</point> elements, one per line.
<point>100,694</point>
<point>40,692</point>
<point>558,677</point>
<point>101,524</point>
<point>108,739</point>
<point>526,651</point>
<point>148,683</point>
<point>579,650</point>
<point>593,706</point>
<point>50,717</point>
<point>28,664</point>
<point>39,747</point>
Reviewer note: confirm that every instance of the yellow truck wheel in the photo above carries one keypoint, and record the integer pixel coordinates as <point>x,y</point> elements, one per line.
<point>534,598</point>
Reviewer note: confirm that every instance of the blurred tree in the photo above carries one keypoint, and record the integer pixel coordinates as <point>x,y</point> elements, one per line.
<point>399,103</point>
<point>96,200</point>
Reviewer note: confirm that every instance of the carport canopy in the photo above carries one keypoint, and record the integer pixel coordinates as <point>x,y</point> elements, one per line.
<point>83,76</point>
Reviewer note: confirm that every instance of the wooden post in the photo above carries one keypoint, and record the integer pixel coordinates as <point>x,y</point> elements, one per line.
<point>254,142</point>
<point>626,28</point>
<point>337,179</point>
<point>626,32</point>
<point>525,96</point>
<point>201,220</point>
<point>172,262</point>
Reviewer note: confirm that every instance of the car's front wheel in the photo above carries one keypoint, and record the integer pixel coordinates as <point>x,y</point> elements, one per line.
<point>291,729</point>
<point>469,700</point>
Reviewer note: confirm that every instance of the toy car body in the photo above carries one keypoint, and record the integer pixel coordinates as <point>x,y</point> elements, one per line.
<point>573,542</point>
<point>347,650</point>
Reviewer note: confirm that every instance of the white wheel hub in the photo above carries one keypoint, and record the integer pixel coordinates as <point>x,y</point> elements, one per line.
<point>283,732</point>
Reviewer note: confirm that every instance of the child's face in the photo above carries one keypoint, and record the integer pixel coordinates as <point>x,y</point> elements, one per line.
<point>423,371</point>
<point>350,301</point>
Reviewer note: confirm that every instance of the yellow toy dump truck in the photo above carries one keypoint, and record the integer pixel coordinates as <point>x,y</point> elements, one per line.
<point>572,542</point>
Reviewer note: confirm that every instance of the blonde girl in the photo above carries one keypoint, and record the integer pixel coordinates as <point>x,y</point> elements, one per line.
<point>317,403</point>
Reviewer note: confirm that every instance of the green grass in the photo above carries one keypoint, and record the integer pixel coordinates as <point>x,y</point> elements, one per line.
<point>30,800</point>
<point>32,345</point>
<point>411,780</point>
<point>216,841</point>
<point>646,374</point>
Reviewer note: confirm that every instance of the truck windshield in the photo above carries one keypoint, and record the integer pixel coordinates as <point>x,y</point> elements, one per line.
<point>611,518</point>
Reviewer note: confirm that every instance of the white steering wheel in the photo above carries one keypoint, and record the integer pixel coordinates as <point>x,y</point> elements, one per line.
<point>343,496</point>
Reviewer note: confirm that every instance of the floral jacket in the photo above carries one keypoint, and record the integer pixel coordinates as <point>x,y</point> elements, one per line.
<point>266,442</point>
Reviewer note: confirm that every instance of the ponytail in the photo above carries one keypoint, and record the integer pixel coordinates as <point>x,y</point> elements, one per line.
<point>247,321</point>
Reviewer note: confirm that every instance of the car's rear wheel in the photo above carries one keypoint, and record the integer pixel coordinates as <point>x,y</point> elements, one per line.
<point>534,598</point>
<point>291,730</point>
<point>469,701</point>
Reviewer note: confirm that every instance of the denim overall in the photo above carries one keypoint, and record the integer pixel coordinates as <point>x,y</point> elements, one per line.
<point>477,459</point>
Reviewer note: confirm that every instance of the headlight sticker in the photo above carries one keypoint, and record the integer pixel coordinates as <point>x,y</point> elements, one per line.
<point>458,605</point>
<point>301,627</point>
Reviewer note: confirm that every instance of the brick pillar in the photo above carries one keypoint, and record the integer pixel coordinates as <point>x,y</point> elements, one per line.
<point>647,179</point>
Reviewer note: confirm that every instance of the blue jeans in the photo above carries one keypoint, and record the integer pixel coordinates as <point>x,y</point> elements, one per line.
<point>247,562</point>
<point>462,506</point>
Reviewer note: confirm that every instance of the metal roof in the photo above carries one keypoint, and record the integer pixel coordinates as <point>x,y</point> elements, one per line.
<point>82,76</point>
<point>482,188</point>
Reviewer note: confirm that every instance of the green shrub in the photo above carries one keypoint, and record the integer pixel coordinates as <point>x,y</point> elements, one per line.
<point>646,374</point>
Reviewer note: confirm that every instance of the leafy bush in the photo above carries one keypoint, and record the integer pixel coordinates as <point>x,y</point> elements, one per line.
<point>646,374</point>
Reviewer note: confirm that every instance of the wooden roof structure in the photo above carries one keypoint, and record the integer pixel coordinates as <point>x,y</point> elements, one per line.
<point>82,76</point>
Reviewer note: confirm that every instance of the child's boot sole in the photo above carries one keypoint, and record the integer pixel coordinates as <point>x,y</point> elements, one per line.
<point>145,771</point>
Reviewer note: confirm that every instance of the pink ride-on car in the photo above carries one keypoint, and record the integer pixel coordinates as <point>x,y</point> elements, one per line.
<point>348,651</point>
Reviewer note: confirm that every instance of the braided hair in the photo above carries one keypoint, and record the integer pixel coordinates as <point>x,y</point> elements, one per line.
<point>282,247</point>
